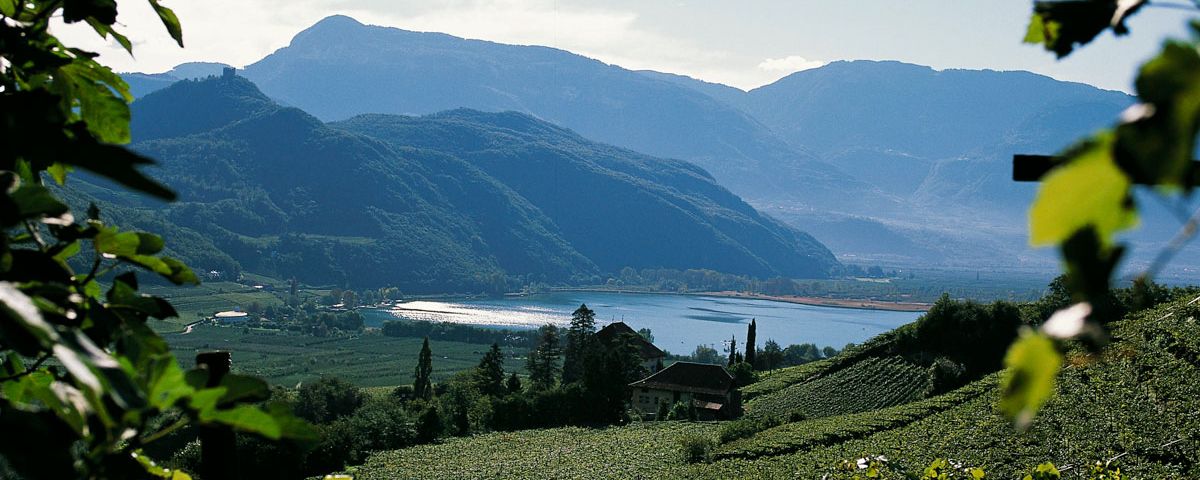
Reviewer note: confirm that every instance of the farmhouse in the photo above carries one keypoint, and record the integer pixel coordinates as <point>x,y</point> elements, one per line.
<point>652,357</point>
<point>709,388</point>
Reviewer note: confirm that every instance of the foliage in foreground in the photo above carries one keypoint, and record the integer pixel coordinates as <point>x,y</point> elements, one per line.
<point>85,383</point>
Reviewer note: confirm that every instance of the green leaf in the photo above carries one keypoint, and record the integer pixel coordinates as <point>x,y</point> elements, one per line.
<point>1059,26</point>
<point>59,172</point>
<point>1087,191</point>
<point>1032,364</point>
<point>155,470</point>
<point>1156,145</point>
<point>34,202</point>
<point>241,388</point>
<point>246,418</point>
<point>169,20</point>
<point>8,8</point>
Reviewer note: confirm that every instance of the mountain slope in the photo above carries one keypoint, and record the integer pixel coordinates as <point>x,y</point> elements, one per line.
<point>460,201</point>
<point>339,68</point>
<point>615,206</point>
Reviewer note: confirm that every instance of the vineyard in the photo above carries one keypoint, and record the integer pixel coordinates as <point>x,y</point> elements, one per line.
<point>646,450</point>
<point>806,434</point>
<point>870,384</point>
<point>1130,404</point>
<point>776,380</point>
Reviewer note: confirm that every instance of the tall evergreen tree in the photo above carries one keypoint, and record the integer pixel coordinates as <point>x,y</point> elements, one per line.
<point>750,331</point>
<point>543,360</point>
<point>580,337</point>
<point>733,355</point>
<point>490,372</point>
<point>422,386</point>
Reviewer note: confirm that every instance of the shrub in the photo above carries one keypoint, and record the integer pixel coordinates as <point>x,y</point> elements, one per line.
<point>328,399</point>
<point>696,448</point>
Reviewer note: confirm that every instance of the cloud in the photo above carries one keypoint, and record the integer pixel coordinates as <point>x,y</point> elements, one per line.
<point>789,64</point>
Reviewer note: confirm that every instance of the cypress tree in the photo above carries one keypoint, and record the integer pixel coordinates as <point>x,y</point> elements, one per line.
<point>733,355</point>
<point>750,331</point>
<point>422,387</point>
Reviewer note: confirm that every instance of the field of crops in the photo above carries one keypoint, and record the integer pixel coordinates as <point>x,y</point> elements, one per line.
<point>866,385</point>
<point>643,450</point>
<point>776,380</point>
<point>287,358</point>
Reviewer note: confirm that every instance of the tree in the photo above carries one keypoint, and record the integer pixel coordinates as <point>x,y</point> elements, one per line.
<point>490,372</point>
<point>84,374</point>
<point>580,339</point>
<point>733,353</point>
<point>429,424</point>
<point>543,360</point>
<point>771,356</point>
<point>609,369</point>
<point>829,352</point>
<point>422,386</point>
<point>750,332</point>
<point>646,334</point>
<point>328,399</point>
<point>513,384</point>
<point>706,354</point>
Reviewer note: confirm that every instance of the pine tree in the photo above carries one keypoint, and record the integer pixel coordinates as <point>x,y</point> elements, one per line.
<point>490,372</point>
<point>580,337</point>
<point>750,353</point>
<point>422,387</point>
<point>733,353</point>
<point>543,359</point>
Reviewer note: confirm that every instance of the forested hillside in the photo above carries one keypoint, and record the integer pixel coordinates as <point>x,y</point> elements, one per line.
<point>459,201</point>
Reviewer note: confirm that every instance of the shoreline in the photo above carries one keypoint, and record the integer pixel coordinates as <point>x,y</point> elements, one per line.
<point>850,303</point>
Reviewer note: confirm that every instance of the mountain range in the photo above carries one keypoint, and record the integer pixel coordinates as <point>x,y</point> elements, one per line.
<point>882,161</point>
<point>461,200</point>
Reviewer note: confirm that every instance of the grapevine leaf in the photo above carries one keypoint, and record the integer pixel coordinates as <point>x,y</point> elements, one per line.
<point>1060,26</point>
<point>169,20</point>
<point>1088,191</point>
<point>1156,144</point>
<point>1032,364</point>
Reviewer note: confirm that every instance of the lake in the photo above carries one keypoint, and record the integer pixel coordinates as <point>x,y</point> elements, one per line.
<point>678,322</point>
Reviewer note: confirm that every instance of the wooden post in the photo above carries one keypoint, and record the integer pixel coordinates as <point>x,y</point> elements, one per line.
<point>217,444</point>
<point>1031,168</point>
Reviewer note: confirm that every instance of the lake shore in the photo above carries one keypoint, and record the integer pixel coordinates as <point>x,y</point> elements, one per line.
<point>861,304</point>
<point>854,303</point>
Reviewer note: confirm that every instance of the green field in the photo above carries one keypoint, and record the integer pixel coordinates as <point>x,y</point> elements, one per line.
<point>1137,403</point>
<point>368,360</point>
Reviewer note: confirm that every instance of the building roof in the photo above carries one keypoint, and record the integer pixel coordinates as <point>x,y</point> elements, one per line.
<point>689,377</point>
<point>645,348</point>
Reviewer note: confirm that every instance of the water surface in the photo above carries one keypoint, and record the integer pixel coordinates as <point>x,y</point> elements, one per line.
<point>678,322</point>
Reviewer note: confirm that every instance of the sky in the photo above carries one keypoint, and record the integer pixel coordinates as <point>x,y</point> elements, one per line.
<point>746,43</point>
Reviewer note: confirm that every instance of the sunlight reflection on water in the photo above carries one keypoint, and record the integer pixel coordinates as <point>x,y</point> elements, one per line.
<point>679,322</point>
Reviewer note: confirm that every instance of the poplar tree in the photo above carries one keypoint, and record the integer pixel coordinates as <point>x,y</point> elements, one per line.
<point>422,387</point>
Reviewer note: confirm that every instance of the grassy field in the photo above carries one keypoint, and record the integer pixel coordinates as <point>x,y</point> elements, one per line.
<point>196,302</point>
<point>1137,403</point>
<point>369,360</point>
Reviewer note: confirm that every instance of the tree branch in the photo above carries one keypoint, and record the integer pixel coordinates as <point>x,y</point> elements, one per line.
<point>29,370</point>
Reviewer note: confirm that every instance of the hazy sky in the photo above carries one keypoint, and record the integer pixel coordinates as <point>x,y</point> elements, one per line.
<point>743,43</point>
